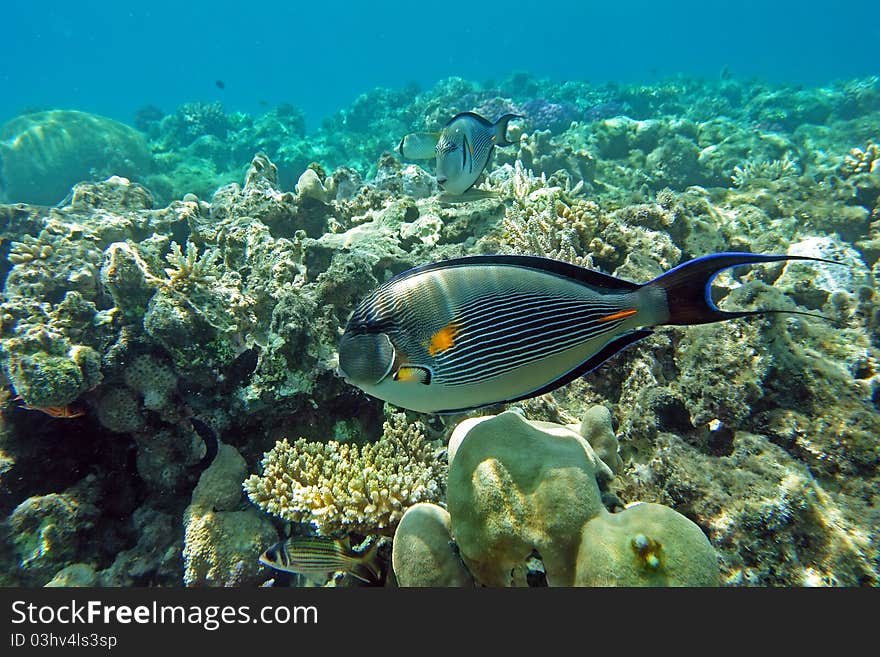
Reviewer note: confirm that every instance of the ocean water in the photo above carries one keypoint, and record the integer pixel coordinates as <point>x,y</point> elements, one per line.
<point>113,59</point>
<point>196,199</point>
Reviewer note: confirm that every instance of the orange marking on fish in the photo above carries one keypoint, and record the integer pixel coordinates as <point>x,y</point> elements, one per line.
<point>443,339</point>
<point>621,314</point>
<point>405,373</point>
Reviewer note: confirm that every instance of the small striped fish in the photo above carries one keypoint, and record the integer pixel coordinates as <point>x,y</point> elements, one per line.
<point>320,556</point>
<point>472,332</point>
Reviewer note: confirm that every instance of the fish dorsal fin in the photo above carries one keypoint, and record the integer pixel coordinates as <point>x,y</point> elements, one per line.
<point>559,268</point>
<point>480,119</point>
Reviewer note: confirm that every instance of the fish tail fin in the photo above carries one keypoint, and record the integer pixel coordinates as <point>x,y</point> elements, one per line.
<point>688,287</point>
<point>500,127</point>
<point>365,565</point>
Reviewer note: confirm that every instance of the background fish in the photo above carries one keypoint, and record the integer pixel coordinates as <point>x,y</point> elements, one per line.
<point>472,332</point>
<point>318,556</point>
<point>464,148</point>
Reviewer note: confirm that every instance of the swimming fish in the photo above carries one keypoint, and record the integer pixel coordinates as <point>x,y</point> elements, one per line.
<point>471,332</point>
<point>318,556</point>
<point>462,148</point>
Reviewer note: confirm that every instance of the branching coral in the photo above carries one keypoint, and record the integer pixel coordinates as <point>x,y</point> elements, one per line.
<point>763,170</point>
<point>544,221</point>
<point>29,248</point>
<point>554,232</point>
<point>347,488</point>
<point>189,270</point>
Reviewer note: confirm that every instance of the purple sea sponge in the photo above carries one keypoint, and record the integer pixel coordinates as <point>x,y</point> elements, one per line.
<point>546,115</point>
<point>494,107</point>
<point>605,110</point>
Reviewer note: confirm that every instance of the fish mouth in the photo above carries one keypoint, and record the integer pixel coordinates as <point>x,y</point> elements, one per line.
<point>441,179</point>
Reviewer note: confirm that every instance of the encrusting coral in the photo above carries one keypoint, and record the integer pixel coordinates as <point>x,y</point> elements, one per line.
<point>350,488</point>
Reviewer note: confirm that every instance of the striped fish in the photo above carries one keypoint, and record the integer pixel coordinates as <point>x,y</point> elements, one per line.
<point>464,147</point>
<point>472,332</point>
<point>319,556</point>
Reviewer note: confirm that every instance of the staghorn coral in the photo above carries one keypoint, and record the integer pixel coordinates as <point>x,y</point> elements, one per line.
<point>763,170</point>
<point>350,488</point>
<point>188,271</point>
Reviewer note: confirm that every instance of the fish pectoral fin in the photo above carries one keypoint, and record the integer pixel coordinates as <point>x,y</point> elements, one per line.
<point>410,373</point>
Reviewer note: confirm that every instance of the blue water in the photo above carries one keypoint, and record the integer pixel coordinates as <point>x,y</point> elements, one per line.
<point>113,58</point>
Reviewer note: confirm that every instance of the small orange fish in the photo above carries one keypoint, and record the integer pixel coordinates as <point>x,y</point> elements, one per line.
<point>66,412</point>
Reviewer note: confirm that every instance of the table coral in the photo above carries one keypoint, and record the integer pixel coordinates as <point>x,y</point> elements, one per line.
<point>346,487</point>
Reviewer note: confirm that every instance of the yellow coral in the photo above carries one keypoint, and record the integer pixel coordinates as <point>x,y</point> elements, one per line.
<point>347,488</point>
<point>861,161</point>
<point>548,224</point>
<point>28,249</point>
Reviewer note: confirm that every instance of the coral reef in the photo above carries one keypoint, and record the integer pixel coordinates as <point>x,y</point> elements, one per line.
<point>347,488</point>
<point>215,286</point>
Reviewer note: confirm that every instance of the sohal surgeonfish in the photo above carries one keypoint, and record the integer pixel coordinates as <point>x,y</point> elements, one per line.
<point>319,556</point>
<point>462,148</point>
<point>471,332</point>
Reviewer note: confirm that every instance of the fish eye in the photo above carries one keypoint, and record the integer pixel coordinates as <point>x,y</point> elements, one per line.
<point>366,357</point>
